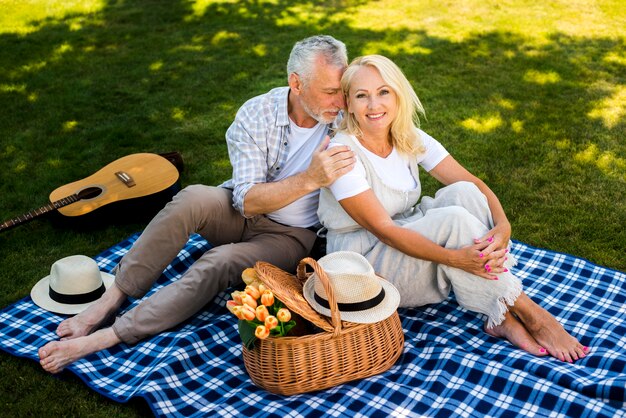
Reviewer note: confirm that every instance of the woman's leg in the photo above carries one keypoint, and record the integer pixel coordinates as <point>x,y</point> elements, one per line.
<point>547,330</point>
<point>511,314</point>
<point>455,227</point>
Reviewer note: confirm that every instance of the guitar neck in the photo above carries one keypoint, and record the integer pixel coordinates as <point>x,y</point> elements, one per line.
<point>39,212</point>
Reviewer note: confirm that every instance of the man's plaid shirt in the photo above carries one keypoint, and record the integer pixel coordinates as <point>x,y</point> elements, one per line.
<point>258,143</point>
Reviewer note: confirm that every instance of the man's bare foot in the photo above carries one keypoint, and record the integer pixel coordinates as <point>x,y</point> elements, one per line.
<point>513,331</point>
<point>56,355</point>
<point>93,317</point>
<point>547,331</point>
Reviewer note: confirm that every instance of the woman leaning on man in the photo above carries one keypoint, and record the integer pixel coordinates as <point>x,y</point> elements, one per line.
<point>457,240</point>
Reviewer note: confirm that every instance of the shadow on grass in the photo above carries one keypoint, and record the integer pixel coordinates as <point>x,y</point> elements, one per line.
<point>542,124</point>
<point>162,76</point>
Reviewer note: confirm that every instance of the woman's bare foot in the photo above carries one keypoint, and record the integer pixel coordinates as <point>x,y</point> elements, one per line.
<point>547,331</point>
<point>93,317</point>
<point>513,331</point>
<point>56,355</point>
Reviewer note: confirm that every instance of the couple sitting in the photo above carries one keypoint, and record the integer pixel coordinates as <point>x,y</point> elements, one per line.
<point>281,157</point>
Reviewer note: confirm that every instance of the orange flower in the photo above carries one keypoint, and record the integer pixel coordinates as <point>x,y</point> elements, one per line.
<point>283,315</point>
<point>253,291</point>
<point>238,311</point>
<point>248,312</point>
<point>262,288</point>
<point>249,300</point>
<point>267,298</point>
<point>230,305</point>
<point>237,297</point>
<point>249,275</point>
<point>271,322</point>
<point>262,313</point>
<point>261,332</point>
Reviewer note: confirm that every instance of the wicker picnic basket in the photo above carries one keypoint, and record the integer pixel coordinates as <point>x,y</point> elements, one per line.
<point>342,352</point>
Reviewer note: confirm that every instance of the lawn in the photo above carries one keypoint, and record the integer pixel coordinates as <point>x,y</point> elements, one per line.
<point>530,96</point>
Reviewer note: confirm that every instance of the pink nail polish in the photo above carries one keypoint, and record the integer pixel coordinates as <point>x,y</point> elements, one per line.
<point>481,255</point>
<point>506,270</point>
<point>542,350</point>
<point>490,239</point>
<point>506,250</point>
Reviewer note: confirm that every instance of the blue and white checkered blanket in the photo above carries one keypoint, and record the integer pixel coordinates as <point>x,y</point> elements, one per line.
<point>449,367</point>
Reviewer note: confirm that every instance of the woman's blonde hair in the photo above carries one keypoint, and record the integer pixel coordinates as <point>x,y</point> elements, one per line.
<point>404,135</point>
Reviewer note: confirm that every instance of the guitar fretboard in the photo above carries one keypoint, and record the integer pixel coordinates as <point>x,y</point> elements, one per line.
<point>38,212</point>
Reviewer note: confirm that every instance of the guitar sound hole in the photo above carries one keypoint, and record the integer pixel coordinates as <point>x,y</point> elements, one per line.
<point>89,193</point>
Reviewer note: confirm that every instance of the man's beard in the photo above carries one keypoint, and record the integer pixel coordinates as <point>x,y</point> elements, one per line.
<point>319,116</point>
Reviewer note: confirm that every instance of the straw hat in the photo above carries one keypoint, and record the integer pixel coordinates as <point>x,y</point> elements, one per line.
<point>74,283</point>
<point>361,295</point>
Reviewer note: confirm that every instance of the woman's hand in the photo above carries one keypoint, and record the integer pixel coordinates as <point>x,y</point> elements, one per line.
<point>474,260</point>
<point>495,239</point>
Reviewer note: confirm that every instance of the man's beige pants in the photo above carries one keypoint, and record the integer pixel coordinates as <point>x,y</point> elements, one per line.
<point>238,243</point>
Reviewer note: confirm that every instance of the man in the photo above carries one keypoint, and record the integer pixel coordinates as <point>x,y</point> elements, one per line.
<point>267,211</point>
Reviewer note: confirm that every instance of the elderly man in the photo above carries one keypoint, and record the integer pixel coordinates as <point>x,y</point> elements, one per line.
<point>267,211</point>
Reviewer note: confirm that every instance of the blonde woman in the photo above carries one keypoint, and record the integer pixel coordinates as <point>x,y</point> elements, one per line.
<point>457,240</point>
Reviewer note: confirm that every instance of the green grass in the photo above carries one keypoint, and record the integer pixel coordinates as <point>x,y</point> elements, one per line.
<point>531,96</point>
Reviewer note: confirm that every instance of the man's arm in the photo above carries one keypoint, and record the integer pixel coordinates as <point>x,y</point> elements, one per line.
<point>326,166</point>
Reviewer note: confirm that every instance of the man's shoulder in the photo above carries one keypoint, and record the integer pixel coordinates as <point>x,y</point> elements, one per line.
<point>266,102</point>
<point>261,114</point>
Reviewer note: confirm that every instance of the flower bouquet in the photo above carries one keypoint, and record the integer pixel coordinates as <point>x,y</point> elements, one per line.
<point>260,314</point>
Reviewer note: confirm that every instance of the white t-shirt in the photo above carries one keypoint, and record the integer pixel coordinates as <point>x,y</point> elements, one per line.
<point>302,143</point>
<point>393,170</point>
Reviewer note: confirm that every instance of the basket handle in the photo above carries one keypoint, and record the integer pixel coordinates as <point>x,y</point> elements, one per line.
<point>328,287</point>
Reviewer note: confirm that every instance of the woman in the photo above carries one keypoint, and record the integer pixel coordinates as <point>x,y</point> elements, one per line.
<point>457,240</point>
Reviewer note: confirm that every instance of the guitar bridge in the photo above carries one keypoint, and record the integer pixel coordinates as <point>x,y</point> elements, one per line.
<point>125,178</point>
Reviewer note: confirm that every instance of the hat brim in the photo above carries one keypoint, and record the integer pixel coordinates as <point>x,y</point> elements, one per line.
<point>41,297</point>
<point>380,312</point>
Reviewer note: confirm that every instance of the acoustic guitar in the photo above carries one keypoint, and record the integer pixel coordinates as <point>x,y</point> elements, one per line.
<point>132,176</point>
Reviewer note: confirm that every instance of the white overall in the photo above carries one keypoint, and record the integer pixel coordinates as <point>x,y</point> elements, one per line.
<point>453,218</point>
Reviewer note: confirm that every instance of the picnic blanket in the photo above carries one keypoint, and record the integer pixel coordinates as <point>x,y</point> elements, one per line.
<point>449,367</point>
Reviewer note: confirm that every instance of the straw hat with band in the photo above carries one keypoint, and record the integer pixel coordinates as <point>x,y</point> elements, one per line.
<point>361,295</point>
<point>74,283</point>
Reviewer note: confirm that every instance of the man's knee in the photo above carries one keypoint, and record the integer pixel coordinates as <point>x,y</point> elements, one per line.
<point>198,199</point>
<point>198,194</point>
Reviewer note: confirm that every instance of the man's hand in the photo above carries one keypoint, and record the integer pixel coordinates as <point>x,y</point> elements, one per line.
<point>328,164</point>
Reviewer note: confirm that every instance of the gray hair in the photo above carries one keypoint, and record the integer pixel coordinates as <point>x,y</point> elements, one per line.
<point>305,52</point>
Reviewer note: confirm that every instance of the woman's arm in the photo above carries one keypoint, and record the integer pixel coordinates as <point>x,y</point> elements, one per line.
<point>367,211</point>
<point>449,171</point>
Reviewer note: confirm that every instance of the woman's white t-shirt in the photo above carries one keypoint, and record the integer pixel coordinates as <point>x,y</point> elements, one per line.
<point>393,170</point>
